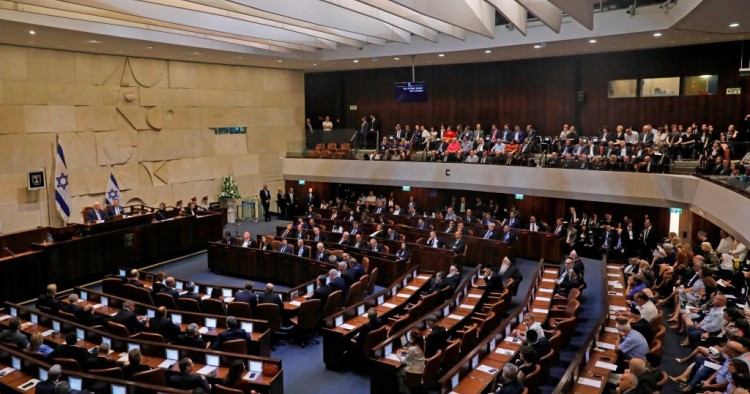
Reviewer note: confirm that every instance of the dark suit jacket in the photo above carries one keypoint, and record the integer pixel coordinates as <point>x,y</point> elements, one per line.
<point>378,248</point>
<point>46,387</point>
<point>228,335</point>
<point>271,298</point>
<point>164,327</point>
<point>509,238</point>
<point>458,246</point>
<point>511,273</point>
<point>403,254</point>
<point>322,256</point>
<point>345,242</point>
<point>493,284</point>
<point>99,363</point>
<point>77,310</point>
<point>65,351</point>
<point>247,296</point>
<point>185,340</point>
<point>453,281</point>
<point>338,283</point>
<point>366,329</point>
<point>171,291</point>
<point>349,276</point>
<point>111,211</point>
<point>50,302</point>
<point>440,243</point>
<point>437,340</point>
<point>156,287</point>
<point>91,215</point>
<point>305,251</point>
<point>127,319</point>
<point>288,249</point>
<point>321,293</point>
<point>321,238</point>
<point>188,382</point>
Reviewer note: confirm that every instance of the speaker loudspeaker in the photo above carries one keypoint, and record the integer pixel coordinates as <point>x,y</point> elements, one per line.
<point>581,96</point>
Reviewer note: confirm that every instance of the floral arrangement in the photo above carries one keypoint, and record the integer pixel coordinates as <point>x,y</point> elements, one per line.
<point>229,189</point>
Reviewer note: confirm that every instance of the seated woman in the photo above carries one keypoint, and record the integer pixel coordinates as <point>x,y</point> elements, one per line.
<point>36,344</point>
<point>412,357</point>
<point>527,361</point>
<point>264,244</point>
<point>735,326</point>
<point>234,378</point>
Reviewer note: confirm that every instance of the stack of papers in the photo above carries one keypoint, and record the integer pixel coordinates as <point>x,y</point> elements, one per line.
<point>590,382</point>
<point>487,369</point>
<point>415,288</point>
<point>402,295</point>
<point>609,366</point>
<point>546,299</point>
<point>347,326</point>
<point>203,330</point>
<point>504,351</point>
<point>466,306</point>
<point>166,363</point>
<point>206,370</point>
<point>388,305</point>
<point>394,357</point>
<point>605,345</point>
<point>543,290</point>
<point>295,303</point>
<point>474,296</point>
<point>548,280</point>
<point>454,317</point>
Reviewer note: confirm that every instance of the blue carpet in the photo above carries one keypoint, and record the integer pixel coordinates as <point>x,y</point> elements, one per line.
<point>593,302</point>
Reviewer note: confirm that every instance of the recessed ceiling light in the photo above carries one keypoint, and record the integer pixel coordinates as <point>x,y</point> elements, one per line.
<point>239,57</point>
<point>32,32</point>
<point>355,61</point>
<point>488,51</point>
<point>315,64</point>
<point>396,58</point>
<point>657,34</point>
<point>734,25</point>
<point>537,46</point>
<point>279,61</point>
<point>93,41</point>
<point>592,41</point>
<point>195,53</point>
<point>149,47</point>
<point>441,55</point>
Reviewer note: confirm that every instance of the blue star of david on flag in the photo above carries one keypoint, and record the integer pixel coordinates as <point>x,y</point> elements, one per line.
<point>112,190</point>
<point>62,194</point>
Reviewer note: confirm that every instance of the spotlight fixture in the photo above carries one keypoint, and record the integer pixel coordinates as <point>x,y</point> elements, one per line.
<point>540,45</point>
<point>396,58</point>
<point>733,25</point>
<point>488,51</point>
<point>279,61</point>
<point>355,61</point>
<point>592,41</point>
<point>93,41</point>
<point>441,55</point>
<point>32,32</point>
<point>657,35</point>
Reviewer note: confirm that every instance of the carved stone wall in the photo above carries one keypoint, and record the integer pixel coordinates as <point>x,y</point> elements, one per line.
<point>147,120</point>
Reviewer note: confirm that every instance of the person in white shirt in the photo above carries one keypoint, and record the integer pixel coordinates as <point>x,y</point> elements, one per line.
<point>327,124</point>
<point>645,306</point>
<point>739,250</point>
<point>531,324</point>
<point>725,245</point>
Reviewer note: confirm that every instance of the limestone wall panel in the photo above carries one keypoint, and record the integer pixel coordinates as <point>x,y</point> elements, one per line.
<point>66,93</point>
<point>98,70</point>
<point>187,190</point>
<point>230,144</point>
<point>50,118</point>
<point>55,66</point>
<point>14,65</point>
<point>114,147</point>
<point>160,145</point>
<point>283,81</point>
<point>182,75</point>
<point>25,92</point>
<point>199,143</point>
<point>12,119</point>
<point>88,180</point>
<point>96,118</point>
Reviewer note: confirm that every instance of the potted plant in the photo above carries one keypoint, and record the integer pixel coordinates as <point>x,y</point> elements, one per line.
<point>228,191</point>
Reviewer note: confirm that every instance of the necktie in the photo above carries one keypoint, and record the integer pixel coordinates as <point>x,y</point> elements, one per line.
<point>487,235</point>
<point>98,217</point>
<point>645,235</point>
<point>300,252</point>
<point>533,227</point>
<point>619,243</point>
<point>505,238</point>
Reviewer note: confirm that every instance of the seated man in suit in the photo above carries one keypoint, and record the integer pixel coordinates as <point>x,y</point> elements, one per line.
<point>285,247</point>
<point>302,250</point>
<point>247,296</point>
<point>509,236</point>
<point>321,292</point>
<point>490,233</point>
<point>454,277</point>
<point>191,337</point>
<point>89,318</point>
<point>128,318</point>
<point>373,323</point>
<point>190,293</point>
<point>392,235</point>
<point>437,339</point>
<point>70,350</point>
<point>53,377</point>
<point>115,209</point>
<point>13,336</point>
<point>317,236</point>
<point>337,283</point>
<point>158,283</point>
<point>434,241</point>
<point>493,283</point>
<point>421,225</point>
<point>508,382</point>
<point>438,283</point>
<point>72,306</point>
<point>375,246</point>
<point>269,297</point>
<point>233,331</point>
<point>288,232</point>
<point>169,288</point>
<point>347,273</point>
<point>247,240</point>
<point>321,254</point>
<point>510,275</point>
<point>359,242</point>
<point>96,215</point>
<point>344,241</point>
<point>162,325</point>
<point>458,246</point>
<point>135,278</point>
<point>98,359</point>
<point>48,300</point>
<point>187,379</point>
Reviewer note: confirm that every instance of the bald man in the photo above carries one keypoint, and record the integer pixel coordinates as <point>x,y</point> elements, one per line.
<point>96,215</point>
<point>714,380</point>
<point>711,323</point>
<point>646,382</point>
<point>628,384</point>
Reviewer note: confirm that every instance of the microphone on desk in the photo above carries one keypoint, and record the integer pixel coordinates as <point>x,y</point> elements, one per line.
<point>9,251</point>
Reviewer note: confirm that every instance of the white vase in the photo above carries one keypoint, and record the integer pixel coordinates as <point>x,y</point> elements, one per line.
<point>231,212</point>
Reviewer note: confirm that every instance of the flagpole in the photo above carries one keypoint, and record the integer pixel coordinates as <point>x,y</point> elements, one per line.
<point>46,197</point>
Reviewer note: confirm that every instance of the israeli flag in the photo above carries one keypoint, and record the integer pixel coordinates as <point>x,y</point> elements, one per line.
<point>62,192</point>
<point>113,191</point>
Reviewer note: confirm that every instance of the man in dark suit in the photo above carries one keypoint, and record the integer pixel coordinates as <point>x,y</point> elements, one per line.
<point>490,233</point>
<point>421,225</point>
<point>285,247</point>
<point>317,236</point>
<point>322,291</point>
<point>510,275</point>
<point>454,277</point>
<point>265,202</point>
<point>162,325</point>
<point>348,274</point>
<point>191,338</point>
<point>458,246</point>
<point>302,250</point>
<point>158,283</point>
<point>493,282</point>
<point>115,209</point>
<point>169,288</point>
<point>190,293</point>
<point>649,238</point>
<point>359,242</point>
<point>247,296</point>
<point>228,238</point>
<point>233,331</point>
<point>373,323</point>
<point>135,278</point>
<point>375,246</point>
<point>133,366</point>
<point>434,241</point>
<point>344,241</point>
<point>269,297</point>
<point>48,300</point>
<point>629,239</point>
<point>13,336</point>
<point>291,203</point>
<point>560,228</point>
<point>337,283</point>
<point>509,236</point>
<point>187,379</point>
<point>513,221</point>
<point>96,214</point>
<point>311,199</point>
<point>70,350</point>
<point>392,235</point>
<point>437,339</point>
<point>128,318</point>
<point>98,359</point>
<point>321,254</point>
<point>53,376</point>
<point>508,382</point>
